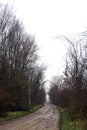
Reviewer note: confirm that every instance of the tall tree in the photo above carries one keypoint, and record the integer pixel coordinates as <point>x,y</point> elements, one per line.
<point>18,56</point>
<point>75,75</point>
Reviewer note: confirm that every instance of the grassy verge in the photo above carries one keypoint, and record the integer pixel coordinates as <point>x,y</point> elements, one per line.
<point>68,124</point>
<point>16,114</point>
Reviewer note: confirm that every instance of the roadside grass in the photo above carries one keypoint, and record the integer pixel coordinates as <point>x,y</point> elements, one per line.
<point>17,114</point>
<point>68,124</point>
<point>35,108</point>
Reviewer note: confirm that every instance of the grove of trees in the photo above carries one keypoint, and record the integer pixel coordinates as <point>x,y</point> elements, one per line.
<point>20,75</point>
<point>71,90</point>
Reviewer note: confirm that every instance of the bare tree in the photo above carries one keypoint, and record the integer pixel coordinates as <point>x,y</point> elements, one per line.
<point>37,88</point>
<point>18,56</point>
<point>74,75</point>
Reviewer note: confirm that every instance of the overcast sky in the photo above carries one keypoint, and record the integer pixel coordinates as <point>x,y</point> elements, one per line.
<point>47,19</point>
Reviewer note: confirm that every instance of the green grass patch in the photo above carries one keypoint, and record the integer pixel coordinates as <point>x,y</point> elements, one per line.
<point>13,115</point>
<point>68,124</point>
<point>35,108</point>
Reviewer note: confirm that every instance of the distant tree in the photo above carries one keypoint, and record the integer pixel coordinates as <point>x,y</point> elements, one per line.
<point>58,94</point>
<point>38,90</point>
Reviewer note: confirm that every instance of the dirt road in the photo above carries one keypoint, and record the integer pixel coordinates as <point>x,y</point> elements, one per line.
<point>46,118</point>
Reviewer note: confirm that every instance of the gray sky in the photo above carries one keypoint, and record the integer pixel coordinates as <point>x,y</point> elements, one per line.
<point>47,19</point>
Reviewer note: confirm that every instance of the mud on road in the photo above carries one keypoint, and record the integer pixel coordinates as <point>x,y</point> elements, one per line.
<point>46,118</point>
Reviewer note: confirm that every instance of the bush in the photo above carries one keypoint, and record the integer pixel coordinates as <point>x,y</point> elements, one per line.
<point>5,102</point>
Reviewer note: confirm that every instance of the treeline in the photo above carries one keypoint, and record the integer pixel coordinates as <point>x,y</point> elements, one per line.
<point>20,75</point>
<point>71,90</point>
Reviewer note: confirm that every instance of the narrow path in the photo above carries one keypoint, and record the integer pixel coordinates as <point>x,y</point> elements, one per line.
<point>46,118</point>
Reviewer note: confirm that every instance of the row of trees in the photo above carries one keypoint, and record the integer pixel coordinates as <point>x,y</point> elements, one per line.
<point>71,90</point>
<point>20,75</point>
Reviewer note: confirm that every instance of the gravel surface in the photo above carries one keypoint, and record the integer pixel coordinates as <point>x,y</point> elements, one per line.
<point>46,118</point>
